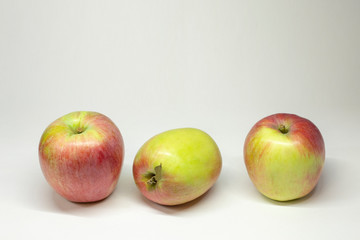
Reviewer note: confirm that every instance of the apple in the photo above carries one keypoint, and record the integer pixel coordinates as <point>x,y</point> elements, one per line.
<point>284,156</point>
<point>177,166</point>
<point>81,156</point>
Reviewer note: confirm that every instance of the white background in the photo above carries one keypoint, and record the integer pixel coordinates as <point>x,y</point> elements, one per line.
<point>156,65</point>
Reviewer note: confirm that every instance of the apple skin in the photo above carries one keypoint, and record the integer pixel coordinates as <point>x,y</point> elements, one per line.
<point>81,156</point>
<point>284,156</point>
<point>177,166</point>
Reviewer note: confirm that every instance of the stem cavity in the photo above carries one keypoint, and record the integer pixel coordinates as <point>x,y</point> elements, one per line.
<point>283,129</point>
<point>79,130</point>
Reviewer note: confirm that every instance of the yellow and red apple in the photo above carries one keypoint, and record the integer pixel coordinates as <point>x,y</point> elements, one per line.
<point>284,156</point>
<point>81,156</point>
<point>177,166</point>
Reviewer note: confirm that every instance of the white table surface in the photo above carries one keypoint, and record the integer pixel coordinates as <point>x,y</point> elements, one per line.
<point>156,65</point>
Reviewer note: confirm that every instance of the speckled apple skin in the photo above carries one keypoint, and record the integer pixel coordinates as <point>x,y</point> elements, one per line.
<point>82,167</point>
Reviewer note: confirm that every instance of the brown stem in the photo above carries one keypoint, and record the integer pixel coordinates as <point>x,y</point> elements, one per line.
<point>283,129</point>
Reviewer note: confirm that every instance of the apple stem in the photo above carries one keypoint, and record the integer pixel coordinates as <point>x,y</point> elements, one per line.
<point>283,129</point>
<point>79,130</point>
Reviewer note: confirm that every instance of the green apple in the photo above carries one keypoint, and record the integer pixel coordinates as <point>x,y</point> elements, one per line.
<point>177,166</point>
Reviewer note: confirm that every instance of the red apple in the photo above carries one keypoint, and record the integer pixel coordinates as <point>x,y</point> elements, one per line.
<point>284,156</point>
<point>81,156</point>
